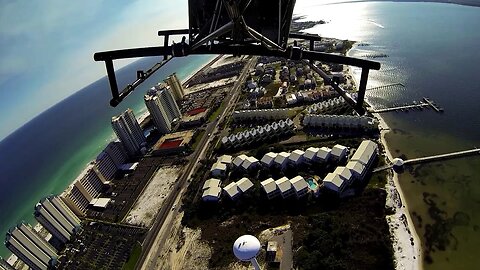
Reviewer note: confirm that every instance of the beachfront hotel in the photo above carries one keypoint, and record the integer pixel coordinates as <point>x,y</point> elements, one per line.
<point>30,247</point>
<point>4,265</point>
<point>168,103</point>
<point>159,115</point>
<point>86,187</point>
<point>129,132</point>
<point>162,107</point>
<point>57,218</point>
<point>116,152</point>
<point>175,86</point>
<point>111,159</point>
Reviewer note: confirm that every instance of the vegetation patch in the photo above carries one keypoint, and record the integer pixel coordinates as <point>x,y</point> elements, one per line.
<point>197,138</point>
<point>328,233</point>
<point>134,256</point>
<point>217,112</point>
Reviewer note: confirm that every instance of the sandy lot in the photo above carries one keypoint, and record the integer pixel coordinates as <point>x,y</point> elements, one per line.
<point>204,86</point>
<point>151,200</point>
<point>228,59</point>
<point>184,249</point>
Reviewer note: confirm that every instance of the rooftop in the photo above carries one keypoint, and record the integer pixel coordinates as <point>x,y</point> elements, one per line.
<point>219,166</point>
<point>100,202</point>
<point>213,191</point>
<point>268,158</point>
<point>310,153</point>
<point>363,153</point>
<point>212,182</point>
<point>344,172</point>
<point>323,153</point>
<point>334,180</point>
<point>298,183</point>
<point>174,140</point>
<point>244,184</point>
<point>227,159</point>
<point>283,184</point>
<point>282,157</point>
<point>269,185</point>
<point>356,166</point>
<point>338,150</point>
<point>231,189</point>
<point>239,160</point>
<point>249,161</point>
<point>296,155</point>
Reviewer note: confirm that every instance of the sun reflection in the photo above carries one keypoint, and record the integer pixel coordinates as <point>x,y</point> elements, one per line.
<point>344,21</point>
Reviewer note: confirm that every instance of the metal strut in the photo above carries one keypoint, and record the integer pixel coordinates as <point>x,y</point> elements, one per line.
<point>183,49</point>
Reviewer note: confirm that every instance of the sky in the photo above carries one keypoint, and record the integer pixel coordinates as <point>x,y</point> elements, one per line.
<point>47,47</point>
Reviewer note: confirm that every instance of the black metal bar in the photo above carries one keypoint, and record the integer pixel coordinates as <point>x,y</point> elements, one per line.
<point>165,44</point>
<point>244,50</point>
<point>362,88</point>
<point>112,78</point>
<point>173,32</point>
<point>130,87</point>
<point>305,36</point>
<point>290,53</point>
<point>132,53</point>
<point>340,59</point>
<point>348,98</point>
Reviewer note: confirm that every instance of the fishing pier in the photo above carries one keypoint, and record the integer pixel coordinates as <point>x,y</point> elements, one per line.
<point>413,161</point>
<point>425,103</point>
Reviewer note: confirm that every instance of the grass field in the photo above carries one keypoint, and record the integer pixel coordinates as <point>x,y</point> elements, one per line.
<point>216,113</point>
<point>134,256</point>
<point>197,138</point>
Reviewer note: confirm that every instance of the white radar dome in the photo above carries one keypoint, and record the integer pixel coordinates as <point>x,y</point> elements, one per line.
<point>246,247</point>
<point>397,162</point>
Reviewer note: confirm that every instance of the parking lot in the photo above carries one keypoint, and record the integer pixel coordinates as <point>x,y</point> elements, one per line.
<point>125,190</point>
<point>101,246</point>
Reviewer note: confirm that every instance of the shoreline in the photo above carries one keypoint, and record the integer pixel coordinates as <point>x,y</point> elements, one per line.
<point>187,79</point>
<point>140,118</point>
<point>406,242</point>
<point>407,247</point>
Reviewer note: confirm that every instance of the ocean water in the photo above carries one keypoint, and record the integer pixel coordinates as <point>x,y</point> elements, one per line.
<point>45,155</point>
<point>433,50</point>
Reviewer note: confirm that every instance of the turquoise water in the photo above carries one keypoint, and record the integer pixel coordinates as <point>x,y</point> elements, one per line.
<point>45,156</point>
<point>433,50</point>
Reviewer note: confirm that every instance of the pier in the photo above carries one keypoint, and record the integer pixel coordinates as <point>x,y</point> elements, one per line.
<point>443,156</point>
<point>388,86</point>
<point>433,105</point>
<point>403,108</point>
<point>374,55</point>
<point>457,154</point>
<point>425,103</point>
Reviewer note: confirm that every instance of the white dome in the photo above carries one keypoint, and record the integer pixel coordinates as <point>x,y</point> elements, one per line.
<point>246,247</point>
<point>398,162</point>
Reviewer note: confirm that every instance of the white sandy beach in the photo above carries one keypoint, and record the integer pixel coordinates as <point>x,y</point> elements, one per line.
<point>407,256</point>
<point>403,233</point>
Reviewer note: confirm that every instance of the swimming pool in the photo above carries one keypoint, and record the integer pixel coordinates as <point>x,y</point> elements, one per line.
<point>312,184</point>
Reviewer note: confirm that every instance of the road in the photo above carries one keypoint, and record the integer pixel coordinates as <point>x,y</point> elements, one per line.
<point>146,260</point>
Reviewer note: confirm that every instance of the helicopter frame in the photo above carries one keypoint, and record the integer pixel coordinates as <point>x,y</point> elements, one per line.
<point>237,38</point>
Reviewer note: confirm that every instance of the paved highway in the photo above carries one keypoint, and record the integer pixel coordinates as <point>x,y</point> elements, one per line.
<point>180,185</point>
